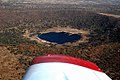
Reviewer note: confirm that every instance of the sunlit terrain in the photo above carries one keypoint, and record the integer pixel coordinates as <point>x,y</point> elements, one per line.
<point>97,22</point>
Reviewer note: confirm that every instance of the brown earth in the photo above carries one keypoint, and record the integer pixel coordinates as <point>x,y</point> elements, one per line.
<point>10,68</point>
<point>16,59</point>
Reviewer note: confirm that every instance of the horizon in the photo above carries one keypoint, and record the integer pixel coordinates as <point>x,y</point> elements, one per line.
<point>115,2</point>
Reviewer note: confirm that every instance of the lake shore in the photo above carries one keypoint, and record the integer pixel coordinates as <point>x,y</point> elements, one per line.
<point>83,33</point>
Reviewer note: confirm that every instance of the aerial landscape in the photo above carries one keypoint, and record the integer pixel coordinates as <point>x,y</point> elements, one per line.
<point>85,29</point>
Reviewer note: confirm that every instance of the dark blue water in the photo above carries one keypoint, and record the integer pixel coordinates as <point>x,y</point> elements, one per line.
<point>59,37</point>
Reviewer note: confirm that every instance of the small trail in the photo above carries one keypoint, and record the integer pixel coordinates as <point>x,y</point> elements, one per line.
<point>107,14</point>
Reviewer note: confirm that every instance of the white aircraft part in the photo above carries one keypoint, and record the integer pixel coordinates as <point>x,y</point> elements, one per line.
<point>62,71</point>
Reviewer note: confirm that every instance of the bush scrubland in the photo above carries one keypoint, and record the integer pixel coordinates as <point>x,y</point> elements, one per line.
<point>17,52</point>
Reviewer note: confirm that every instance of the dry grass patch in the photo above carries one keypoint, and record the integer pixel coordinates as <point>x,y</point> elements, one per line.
<point>10,68</point>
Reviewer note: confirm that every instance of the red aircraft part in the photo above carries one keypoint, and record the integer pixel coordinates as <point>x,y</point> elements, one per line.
<point>65,59</point>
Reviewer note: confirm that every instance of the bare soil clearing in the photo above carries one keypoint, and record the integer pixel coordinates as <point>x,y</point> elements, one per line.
<point>113,15</point>
<point>84,35</point>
